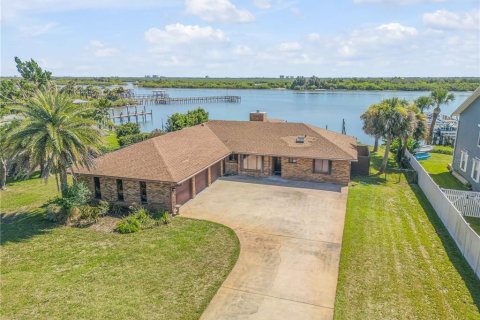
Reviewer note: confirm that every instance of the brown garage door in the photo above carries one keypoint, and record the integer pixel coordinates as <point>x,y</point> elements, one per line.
<point>201,181</point>
<point>215,171</point>
<point>184,192</point>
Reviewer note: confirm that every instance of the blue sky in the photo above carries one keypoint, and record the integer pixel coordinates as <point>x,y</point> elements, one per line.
<point>244,38</point>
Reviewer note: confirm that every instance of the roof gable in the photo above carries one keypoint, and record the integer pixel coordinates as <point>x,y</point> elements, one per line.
<point>467,103</point>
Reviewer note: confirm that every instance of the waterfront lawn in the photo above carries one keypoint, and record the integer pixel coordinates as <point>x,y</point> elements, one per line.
<point>111,141</point>
<point>53,272</point>
<point>436,166</point>
<point>398,260</point>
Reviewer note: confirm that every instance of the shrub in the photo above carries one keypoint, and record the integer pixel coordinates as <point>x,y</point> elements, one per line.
<point>89,214</point>
<point>128,224</point>
<point>165,218</point>
<point>443,150</point>
<point>76,195</point>
<point>54,212</point>
<point>126,129</point>
<point>133,138</point>
<point>103,207</point>
<point>138,219</point>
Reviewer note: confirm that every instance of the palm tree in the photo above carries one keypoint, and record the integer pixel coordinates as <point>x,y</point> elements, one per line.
<point>56,134</point>
<point>414,127</point>
<point>423,103</point>
<point>371,126</point>
<point>439,97</point>
<point>393,118</point>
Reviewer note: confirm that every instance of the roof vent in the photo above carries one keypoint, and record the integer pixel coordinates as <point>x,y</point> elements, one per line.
<point>300,139</point>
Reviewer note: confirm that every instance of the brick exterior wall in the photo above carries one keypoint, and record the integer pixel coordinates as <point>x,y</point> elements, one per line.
<point>159,194</point>
<point>231,167</point>
<point>266,170</point>
<point>303,170</point>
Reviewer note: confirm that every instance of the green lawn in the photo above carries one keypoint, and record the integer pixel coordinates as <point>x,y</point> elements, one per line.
<point>398,260</point>
<point>436,166</point>
<point>53,272</point>
<point>111,141</point>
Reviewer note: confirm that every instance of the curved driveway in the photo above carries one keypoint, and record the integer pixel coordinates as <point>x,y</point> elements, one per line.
<point>290,235</point>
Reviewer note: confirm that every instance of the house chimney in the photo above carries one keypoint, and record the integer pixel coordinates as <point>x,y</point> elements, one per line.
<point>258,116</point>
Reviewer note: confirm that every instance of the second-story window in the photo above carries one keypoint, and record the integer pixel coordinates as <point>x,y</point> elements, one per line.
<point>476,170</point>
<point>463,160</point>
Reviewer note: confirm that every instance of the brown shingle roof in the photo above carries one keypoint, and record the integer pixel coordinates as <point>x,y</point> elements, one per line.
<point>278,138</point>
<point>172,157</point>
<point>176,156</point>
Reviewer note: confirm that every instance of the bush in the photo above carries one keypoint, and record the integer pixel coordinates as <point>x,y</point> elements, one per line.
<point>165,218</point>
<point>76,195</point>
<point>103,207</point>
<point>89,214</point>
<point>127,129</point>
<point>54,212</point>
<point>128,224</point>
<point>138,219</point>
<point>442,150</point>
<point>133,138</point>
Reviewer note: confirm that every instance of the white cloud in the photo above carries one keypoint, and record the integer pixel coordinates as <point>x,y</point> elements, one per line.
<point>262,4</point>
<point>444,19</point>
<point>100,49</point>
<point>396,30</point>
<point>397,2</point>
<point>15,9</point>
<point>218,11</point>
<point>242,50</point>
<point>313,36</point>
<point>289,46</point>
<point>184,34</point>
<point>37,30</point>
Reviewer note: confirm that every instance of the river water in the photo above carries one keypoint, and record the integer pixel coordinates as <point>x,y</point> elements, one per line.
<point>321,108</point>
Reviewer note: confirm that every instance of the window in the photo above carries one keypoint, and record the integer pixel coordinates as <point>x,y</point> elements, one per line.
<point>292,160</point>
<point>98,193</point>
<point>143,191</point>
<point>478,141</point>
<point>476,170</point>
<point>463,161</point>
<point>252,162</point>
<point>321,166</point>
<point>233,157</point>
<point>120,190</point>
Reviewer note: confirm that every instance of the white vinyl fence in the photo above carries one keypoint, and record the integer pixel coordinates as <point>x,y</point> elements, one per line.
<point>466,239</point>
<point>467,202</point>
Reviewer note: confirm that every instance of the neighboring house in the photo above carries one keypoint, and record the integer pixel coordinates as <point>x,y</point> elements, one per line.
<point>168,170</point>
<point>466,158</point>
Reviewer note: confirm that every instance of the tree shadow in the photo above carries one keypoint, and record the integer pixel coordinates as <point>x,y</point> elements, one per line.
<point>21,226</point>
<point>453,252</point>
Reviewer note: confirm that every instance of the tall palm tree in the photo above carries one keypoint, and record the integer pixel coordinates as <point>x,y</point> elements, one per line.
<point>423,103</point>
<point>414,127</point>
<point>439,97</point>
<point>393,117</point>
<point>371,126</point>
<point>56,134</point>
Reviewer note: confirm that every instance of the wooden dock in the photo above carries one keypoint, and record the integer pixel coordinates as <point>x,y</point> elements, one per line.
<point>135,115</point>
<point>162,99</point>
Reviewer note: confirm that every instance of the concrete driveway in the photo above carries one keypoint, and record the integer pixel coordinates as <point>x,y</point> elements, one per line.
<point>290,235</point>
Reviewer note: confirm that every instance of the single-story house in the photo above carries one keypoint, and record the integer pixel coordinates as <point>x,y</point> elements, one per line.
<point>466,156</point>
<point>168,170</point>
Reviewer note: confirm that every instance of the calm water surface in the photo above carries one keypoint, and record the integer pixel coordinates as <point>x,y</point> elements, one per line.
<point>322,109</point>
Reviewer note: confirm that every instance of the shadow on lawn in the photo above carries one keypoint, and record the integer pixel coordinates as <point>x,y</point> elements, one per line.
<point>454,254</point>
<point>23,226</point>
